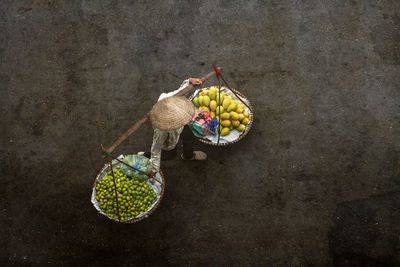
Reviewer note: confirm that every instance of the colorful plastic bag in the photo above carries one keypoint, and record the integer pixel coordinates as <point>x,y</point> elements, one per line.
<point>202,124</point>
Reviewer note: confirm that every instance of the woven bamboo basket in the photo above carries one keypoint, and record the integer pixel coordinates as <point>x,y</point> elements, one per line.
<point>103,172</point>
<point>248,126</point>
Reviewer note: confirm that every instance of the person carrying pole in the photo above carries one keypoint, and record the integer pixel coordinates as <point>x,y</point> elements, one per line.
<point>169,117</point>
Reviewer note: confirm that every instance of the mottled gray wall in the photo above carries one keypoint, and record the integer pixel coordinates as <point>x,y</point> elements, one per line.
<point>317,180</point>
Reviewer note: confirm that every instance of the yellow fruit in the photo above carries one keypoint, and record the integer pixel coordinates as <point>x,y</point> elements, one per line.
<point>232,107</point>
<point>213,105</point>
<point>204,92</point>
<point>239,109</point>
<point>241,116</point>
<point>226,123</point>
<point>231,127</point>
<point>226,103</point>
<point>225,116</point>
<point>220,128</point>
<point>245,121</point>
<point>206,100</point>
<point>241,127</point>
<point>212,114</point>
<point>225,131</point>
<point>203,108</point>
<point>218,99</point>
<point>240,106</point>
<point>219,110</point>
<point>236,123</point>
<point>201,100</point>
<point>234,115</point>
<point>229,97</point>
<point>212,92</point>
<point>196,102</point>
<point>246,114</point>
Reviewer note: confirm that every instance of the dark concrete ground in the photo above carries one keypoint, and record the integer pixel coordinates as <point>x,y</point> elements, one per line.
<point>316,181</point>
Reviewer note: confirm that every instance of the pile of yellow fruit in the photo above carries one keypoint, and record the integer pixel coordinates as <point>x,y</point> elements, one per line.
<point>228,111</point>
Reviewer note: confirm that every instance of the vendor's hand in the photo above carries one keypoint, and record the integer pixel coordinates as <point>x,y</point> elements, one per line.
<point>195,81</point>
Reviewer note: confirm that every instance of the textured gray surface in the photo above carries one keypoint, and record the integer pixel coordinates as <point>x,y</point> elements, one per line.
<point>316,181</point>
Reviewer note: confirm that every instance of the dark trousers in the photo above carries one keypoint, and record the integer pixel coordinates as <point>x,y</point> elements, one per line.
<point>187,138</point>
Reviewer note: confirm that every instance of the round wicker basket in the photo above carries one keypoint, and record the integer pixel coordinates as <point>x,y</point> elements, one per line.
<point>140,217</point>
<point>248,126</point>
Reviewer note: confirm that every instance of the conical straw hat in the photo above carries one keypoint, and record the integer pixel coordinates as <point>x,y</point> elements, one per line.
<point>172,113</point>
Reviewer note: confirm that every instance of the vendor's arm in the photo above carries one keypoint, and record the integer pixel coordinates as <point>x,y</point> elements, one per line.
<point>159,138</point>
<point>185,83</point>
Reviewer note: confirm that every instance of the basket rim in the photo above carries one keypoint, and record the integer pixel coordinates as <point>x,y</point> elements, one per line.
<point>149,212</point>
<point>248,126</point>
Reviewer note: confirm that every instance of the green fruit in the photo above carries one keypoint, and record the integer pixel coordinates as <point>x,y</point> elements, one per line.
<point>196,101</point>
<point>127,197</point>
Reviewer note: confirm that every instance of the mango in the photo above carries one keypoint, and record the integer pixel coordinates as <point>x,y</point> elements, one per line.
<point>234,115</point>
<point>229,97</point>
<point>206,100</point>
<point>225,116</point>
<point>226,103</point>
<point>245,121</point>
<point>225,131</point>
<point>203,108</point>
<point>196,101</point>
<point>241,127</point>
<point>201,100</point>
<point>212,114</point>
<point>246,114</point>
<point>235,123</point>
<point>213,105</point>
<point>239,108</point>
<point>219,110</point>
<point>241,116</point>
<point>204,92</point>
<point>212,93</point>
<point>232,107</point>
<point>226,123</point>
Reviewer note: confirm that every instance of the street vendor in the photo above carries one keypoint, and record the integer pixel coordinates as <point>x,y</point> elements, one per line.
<point>169,117</point>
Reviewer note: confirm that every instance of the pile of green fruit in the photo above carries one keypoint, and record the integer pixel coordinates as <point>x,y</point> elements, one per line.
<point>230,114</point>
<point>135,196</point>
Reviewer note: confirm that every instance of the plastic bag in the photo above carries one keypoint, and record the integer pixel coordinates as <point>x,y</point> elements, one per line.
<point>137,161</point>
<point>202,124</point>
